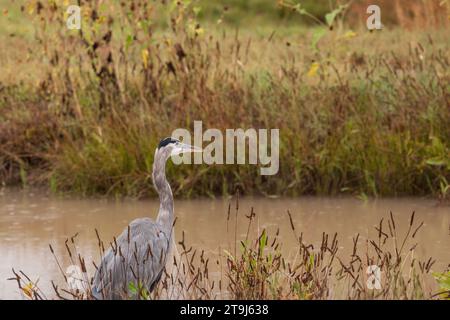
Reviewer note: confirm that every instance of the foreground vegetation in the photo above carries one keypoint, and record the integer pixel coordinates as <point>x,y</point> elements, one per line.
<point>359,112</point>
<point>259,268</point>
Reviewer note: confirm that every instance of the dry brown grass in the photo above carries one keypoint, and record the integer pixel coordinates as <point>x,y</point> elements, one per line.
<point>372,120</point>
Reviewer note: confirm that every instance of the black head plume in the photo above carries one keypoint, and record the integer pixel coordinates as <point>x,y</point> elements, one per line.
<point>164,142</point>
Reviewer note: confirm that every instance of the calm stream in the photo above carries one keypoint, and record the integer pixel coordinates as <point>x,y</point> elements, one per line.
<point>30,222</point>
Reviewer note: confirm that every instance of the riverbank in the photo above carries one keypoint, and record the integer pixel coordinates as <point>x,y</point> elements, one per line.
<point>360,113</point>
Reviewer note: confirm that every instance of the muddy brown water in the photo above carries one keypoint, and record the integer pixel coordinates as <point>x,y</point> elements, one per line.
<point>30,222</point>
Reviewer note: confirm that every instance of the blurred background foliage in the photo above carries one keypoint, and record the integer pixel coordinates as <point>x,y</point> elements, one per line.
<point>250,13</point>
<point>260,13</point>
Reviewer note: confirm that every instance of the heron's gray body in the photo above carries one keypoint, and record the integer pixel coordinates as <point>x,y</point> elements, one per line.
<point>140,253</point>
<point>134,263</point>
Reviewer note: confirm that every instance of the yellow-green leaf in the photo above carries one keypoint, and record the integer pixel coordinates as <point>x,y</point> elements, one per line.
<point>144,55</point>
<point>313,69</point>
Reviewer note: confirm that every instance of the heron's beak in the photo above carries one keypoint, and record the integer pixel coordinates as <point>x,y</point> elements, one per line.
<point>185,148</point>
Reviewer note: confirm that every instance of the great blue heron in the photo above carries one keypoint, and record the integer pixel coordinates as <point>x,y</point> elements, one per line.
<point>139,254</point>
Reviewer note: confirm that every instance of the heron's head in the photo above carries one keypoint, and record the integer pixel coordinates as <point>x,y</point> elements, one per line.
<point>169,147</point>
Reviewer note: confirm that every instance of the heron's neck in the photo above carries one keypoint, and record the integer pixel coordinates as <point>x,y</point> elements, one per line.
<point>165,215</point>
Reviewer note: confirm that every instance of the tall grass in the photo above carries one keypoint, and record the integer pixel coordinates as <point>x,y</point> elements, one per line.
<point>364,114</point>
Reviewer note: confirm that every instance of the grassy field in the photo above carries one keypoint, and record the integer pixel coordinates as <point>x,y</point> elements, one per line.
<point>359,112</point>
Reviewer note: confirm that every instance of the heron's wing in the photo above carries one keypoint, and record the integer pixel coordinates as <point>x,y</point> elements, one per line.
<point>139,258</point>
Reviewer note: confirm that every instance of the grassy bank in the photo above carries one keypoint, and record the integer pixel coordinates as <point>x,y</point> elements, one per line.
<point>359,112</point>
